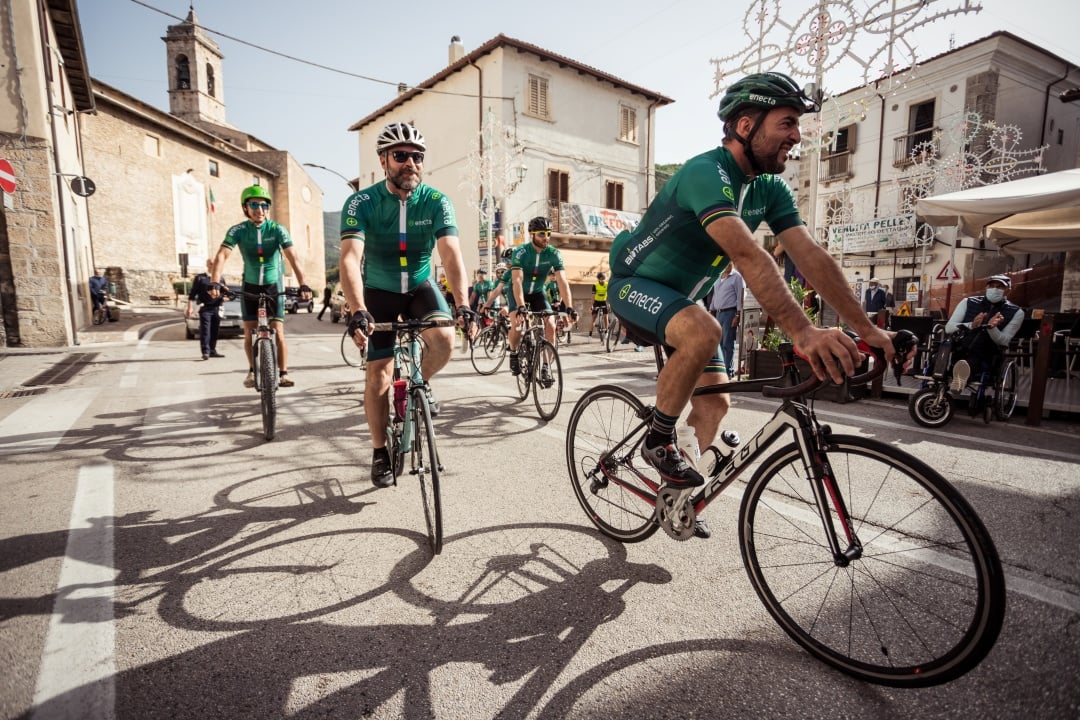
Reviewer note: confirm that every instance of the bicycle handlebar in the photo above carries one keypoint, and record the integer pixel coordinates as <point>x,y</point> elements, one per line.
<point>903,341</point>
<point>398,325</point>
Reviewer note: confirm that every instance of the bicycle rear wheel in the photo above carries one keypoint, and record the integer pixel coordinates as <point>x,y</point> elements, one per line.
<point>921,604</point>
<point>609,478</point>
<point>547,394</point>
<point>268,382</point>
<point>351,354</point>
<point>488,350</point>
<point>426,468</point>
<point>1005,392</point>
<point>613,334</point>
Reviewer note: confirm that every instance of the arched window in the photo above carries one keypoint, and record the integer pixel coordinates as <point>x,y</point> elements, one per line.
<point>183,73</point>
<point>210,80</point>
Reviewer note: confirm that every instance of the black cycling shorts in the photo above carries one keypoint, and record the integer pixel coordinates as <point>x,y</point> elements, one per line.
<point>426,302</point>
<point>249,306</point>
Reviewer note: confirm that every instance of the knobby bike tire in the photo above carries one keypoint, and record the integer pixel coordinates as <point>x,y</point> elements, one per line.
<point>924,602</point>
<point>547,398</point>
<point>607,481</point>
<point>426,466</point>
<point>268,381</point>
<point>351,354</point>
<point>488,351</point>
<point>612,338</point>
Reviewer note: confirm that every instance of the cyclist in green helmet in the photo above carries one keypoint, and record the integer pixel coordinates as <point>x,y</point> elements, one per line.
<point>262,243</point>
<point>701,221</point>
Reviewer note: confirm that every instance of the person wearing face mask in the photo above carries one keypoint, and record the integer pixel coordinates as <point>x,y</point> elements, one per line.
<point>991,321</point>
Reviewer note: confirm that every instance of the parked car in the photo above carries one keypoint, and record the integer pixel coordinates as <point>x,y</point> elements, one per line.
<point>231,321</point>
<point>294,303</point>
<point>339,307</point>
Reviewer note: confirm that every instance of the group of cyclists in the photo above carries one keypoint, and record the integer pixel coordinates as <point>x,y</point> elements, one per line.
<point>701,221</point>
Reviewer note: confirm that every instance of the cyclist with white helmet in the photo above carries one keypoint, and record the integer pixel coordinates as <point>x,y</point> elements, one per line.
<point>703,219</point>
<point>262,243</point>
<point>390,230</point>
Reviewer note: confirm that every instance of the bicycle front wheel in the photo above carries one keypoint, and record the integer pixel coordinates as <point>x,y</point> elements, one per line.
<point>524,378</point>
<point>426,467</point>
<point>547,380</point>
<point>488,350</point>
<point>613,335</point>
<point>920,599</point>
<point>351,354</point>
<point>268,382</point>
<point>610,480</point>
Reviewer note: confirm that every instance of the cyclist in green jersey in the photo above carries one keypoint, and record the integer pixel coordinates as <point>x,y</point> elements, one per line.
<point>700,221</point>
<point>262,243</point>
<point>599,298</point>
<point>480,290</point>
<point>529,266</point>
<point>390,230</point>
<point>499,296</point>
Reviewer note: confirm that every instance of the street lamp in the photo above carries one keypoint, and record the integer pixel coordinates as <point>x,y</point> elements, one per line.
<point>335,172</point>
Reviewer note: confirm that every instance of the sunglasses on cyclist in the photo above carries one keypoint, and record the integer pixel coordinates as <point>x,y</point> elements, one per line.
<point>542,233</point>
<point>401,156</point>
<point>258,206</point>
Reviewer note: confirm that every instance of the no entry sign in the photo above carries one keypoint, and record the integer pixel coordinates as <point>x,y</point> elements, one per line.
<point>7,176</point>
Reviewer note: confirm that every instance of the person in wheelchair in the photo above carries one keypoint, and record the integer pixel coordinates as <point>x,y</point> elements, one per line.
<point>979,331</point>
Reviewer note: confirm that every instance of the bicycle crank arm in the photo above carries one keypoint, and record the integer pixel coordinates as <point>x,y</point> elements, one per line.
<point>675,512</point>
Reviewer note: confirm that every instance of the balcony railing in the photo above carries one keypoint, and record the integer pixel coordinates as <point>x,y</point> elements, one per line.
<point>905,145</point>
<point>836,166</point>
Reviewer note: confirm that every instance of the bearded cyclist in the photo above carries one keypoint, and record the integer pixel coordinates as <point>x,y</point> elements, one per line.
<point>262,243</point>
<point>529,267</point>
<point>390,230</point>
<point>700,222</point>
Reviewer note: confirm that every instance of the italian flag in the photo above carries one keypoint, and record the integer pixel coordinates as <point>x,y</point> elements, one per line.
<point>213,201</point>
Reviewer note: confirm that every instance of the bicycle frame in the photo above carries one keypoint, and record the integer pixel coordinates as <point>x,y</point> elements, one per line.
<point>793,415</point>
<point>407,355</point>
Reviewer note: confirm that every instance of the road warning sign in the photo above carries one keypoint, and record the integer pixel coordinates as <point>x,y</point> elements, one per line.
<point>949,272</point>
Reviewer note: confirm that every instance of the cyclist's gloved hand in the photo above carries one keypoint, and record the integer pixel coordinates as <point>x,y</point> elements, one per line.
<point>573,314</point>
<point>305,292</point>
<point>361,320</point>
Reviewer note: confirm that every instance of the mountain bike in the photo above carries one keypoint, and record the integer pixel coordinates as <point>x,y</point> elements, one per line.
<point>541,368</point>
<point>490,346</point>
<point>409,429</point>
<point>352,355</point>
<point>867,557</point>
<point>264,358</point>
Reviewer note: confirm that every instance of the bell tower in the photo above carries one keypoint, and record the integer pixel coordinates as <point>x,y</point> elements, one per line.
<point>196,90</point>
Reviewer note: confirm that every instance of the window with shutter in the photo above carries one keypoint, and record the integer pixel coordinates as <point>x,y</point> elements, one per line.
<point>613,196</point>
<point>627,124</point>
<point>538,97</point>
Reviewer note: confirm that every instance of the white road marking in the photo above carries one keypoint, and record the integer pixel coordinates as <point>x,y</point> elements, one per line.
<point>43,421</point>
<point>78,665</point>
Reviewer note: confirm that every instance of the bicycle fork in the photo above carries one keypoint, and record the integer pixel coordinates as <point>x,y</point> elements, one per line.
<point>830,502</point>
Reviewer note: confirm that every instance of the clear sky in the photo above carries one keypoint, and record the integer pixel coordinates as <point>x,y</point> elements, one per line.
<point>664,45</point>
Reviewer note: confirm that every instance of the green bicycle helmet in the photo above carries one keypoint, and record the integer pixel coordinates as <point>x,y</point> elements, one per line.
<point>765,90</point>
<point>255,191</point>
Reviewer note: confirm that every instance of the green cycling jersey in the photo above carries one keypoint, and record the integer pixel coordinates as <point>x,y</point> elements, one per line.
<point>671,246</point>
<point>398,235</point>
<point>260,246</point>
<point>535,265</point>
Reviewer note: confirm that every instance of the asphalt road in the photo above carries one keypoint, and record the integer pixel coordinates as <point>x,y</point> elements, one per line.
<point>159,559</point>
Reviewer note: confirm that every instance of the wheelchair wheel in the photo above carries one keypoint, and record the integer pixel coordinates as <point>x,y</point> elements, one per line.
<point>1005,392</point>
<point>931,407</point>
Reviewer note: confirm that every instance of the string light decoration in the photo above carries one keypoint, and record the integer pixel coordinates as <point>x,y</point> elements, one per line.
<point>970,152</point>
<point>494,164</point>
<point>831,31</point>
